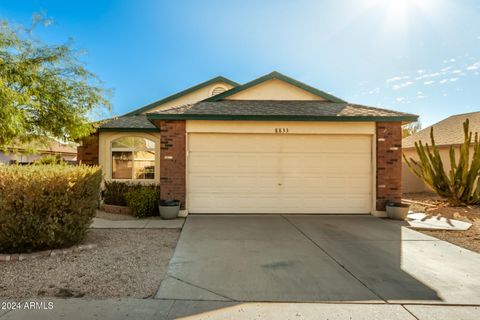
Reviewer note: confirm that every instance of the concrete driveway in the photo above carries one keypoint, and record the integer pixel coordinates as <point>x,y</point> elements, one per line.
<point>317,258</point>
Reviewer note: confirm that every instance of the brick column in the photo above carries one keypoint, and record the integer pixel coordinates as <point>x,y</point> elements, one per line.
<point>389,163</point>
<point>172,159</point>
<point>87,152</point>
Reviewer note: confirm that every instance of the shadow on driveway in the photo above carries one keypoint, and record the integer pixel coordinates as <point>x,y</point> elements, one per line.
<point>304,258</point>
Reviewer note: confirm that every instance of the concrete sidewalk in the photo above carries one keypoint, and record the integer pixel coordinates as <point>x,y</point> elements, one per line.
<point>119,309</point>
<point>99,223</point>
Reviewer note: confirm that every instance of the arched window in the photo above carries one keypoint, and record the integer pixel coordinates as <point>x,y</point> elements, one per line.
<point>133,158</point>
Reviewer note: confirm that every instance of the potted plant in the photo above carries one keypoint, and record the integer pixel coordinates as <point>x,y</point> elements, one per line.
<point>397,210</point>
<point>169,209</point>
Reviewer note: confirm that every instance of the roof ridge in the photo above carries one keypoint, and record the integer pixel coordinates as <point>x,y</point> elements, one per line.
<point>460,114</point>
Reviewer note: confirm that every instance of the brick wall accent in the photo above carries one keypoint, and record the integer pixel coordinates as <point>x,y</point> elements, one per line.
<point>172,159</point>
<point>87,152</point>
<point>389,163</point>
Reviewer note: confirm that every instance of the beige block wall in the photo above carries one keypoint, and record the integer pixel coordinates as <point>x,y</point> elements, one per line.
<point>410,181</point>
<point>274,90</point>
<point>105,158</point>
<point>192,97</point>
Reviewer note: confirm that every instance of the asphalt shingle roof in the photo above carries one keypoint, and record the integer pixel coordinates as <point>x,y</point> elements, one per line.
<point>280,108</point>
<point>128,122</point>
<point>449,131</point>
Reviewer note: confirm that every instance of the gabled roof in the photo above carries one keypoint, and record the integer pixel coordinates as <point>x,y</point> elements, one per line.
<point>304,110</point>
<point>447,132</point>
<point>128,123</point>
<point>279,76</point>
<point>180,94</point>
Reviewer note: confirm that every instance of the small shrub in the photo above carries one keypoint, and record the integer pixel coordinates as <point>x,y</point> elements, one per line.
<point>114,192</point>
<point>143,201</point>
<point>46,206</point>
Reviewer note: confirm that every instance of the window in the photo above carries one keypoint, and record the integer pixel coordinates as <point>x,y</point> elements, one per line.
<point>133,158</point>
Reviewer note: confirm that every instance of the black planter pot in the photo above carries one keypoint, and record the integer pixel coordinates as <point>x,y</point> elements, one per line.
<point>169,209</point>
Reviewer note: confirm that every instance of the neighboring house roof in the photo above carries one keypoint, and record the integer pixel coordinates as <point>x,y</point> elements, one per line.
<point>449,131</point>
<point>279,76</point>
<point>180,94</point>
<point>128,123</point>
<point>303,110</point>
<point>57,147</point>
<point>51,147</point>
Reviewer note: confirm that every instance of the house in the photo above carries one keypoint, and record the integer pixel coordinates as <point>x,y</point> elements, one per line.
<point>272,145</point>
<point>22,154</point>
<point>447,133</point>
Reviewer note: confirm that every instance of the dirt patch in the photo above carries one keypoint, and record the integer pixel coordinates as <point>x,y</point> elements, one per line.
<point>126,263</point>
<point>432,204</point>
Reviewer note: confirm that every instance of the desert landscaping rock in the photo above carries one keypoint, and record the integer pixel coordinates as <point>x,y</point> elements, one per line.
<point>125,263</point>
<point>45,253</point>
<point>434,206</point>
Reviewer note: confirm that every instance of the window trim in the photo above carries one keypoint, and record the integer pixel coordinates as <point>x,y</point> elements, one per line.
<point>133,150</point>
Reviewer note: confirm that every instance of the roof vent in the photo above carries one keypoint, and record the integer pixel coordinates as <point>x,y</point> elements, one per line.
<point>218,90</point>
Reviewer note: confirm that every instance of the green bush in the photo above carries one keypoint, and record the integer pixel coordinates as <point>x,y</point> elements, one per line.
<point>46,206</point>
<point>114,192</point>
<point>143,201</point>
<point>50,159</point>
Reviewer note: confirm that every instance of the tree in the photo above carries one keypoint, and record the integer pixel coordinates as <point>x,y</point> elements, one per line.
<point>461,184</point>
<point>45,91</point>
<point>411,128</point>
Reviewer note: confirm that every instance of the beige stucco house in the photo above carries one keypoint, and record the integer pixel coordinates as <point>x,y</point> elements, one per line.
<point>448,133</point>
<point>272,145</point>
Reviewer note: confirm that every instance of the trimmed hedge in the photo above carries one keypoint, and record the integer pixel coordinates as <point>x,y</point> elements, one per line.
<point>46,206</point>
<point>143,200</point>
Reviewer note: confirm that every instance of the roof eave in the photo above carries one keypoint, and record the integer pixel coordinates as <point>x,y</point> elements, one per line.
<point>156,116</point>
<point>129,129</point>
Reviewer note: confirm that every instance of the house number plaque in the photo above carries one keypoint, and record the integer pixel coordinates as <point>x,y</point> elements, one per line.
<point>281,130</point>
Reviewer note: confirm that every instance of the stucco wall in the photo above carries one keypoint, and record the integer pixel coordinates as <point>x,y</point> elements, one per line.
<point>274,90</point>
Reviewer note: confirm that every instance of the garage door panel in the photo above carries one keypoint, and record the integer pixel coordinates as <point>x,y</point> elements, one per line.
<point>262,173</point>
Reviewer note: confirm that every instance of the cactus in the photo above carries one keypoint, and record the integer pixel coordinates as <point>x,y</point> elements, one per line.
<point>461,184</point>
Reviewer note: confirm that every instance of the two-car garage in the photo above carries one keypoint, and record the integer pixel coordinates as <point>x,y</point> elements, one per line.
<point>279,167</point>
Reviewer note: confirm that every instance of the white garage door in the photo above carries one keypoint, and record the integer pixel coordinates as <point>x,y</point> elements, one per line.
<point>275,173</point>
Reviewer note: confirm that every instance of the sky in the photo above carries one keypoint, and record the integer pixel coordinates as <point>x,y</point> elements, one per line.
<point>417,56</point>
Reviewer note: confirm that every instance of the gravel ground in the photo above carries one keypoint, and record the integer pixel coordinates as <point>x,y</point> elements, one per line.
<point>113,216</point>
<point>126,263</point>
<point>469,239</point>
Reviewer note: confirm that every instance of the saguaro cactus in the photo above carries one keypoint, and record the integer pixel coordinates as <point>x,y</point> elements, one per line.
<point>460,185</point>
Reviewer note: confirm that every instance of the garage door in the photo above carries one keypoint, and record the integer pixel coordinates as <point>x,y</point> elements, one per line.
<point>275,173</point>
